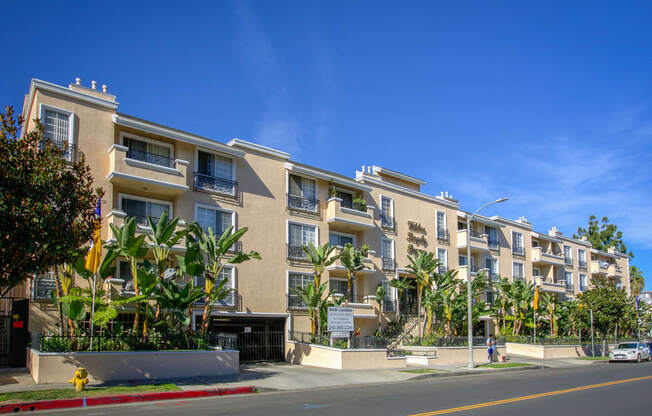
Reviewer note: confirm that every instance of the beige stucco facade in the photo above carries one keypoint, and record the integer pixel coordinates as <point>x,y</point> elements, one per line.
<point>257,196</point>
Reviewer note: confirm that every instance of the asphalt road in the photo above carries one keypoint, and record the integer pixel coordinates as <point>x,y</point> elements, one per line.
<point>603,389</point>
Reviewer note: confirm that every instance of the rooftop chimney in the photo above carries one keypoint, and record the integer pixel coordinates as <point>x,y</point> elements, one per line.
<point>93,85</point>
<point>554,232</point>
<point>104,88</point>
<point>78,81</point>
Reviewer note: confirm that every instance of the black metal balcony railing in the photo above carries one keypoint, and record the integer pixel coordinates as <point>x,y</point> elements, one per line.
<point>389,306</point>
<point>295,252</point>
<point>388,263</point>
<point>142,219</point>
<point>518,250</point>
<point>494,244</point>
<point>215,185</point>
<point>476,234</point>
<point>299,203</point>
<point>294,301</point>
<point>232,300</point>
<point>150,158</point>
<point>442,234</point>
<point>236,247</point>
<point>582,264</point>
<point>568,261</point>
<point>494,276</point>
<point>70,152</point>
<point>442,269</point>
<point>387,221</point>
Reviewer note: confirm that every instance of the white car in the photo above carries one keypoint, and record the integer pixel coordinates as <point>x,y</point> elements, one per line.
<point>630,351</point>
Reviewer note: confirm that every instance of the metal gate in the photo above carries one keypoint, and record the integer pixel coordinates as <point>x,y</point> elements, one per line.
<point>257,339</point>
<point>5,340</point>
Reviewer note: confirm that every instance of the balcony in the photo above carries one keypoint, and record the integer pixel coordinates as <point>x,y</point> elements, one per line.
<point>363,305</point>
<point>614,271</point>
<point>296,253</point>
<point>215,185</point>
<point>232,301</point>
<point>539,256</point>
<point>70,152</point>
<point>338,267</point>
<point>388,264</point>
<point>443,235</point>
<point>548,285</point>
<point>143,171</point>
<point>479,242</point>
<point>599,267</point>
<point>463,272</point>
<point>348,219</point>
<point>303,205</point>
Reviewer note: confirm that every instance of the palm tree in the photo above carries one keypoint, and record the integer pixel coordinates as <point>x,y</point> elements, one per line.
<point>522,294</point>
<point>130,247</point>
<point>401,285</point>
<point>320,257</point>
<point>504,288</point>
<point>430,300</point>
<point>353,260</point>
<point>636,280</point>
<point>447,287</point>
<point>380,299</point>
<point>549,302</point>
<point>423,265</point>
<point>312,297</point>
<point>215,248</point>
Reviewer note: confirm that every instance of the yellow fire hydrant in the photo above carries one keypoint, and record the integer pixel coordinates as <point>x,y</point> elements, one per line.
<point>79,379</point>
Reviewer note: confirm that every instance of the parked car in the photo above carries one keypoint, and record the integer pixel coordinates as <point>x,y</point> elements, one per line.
<point>630,351</point>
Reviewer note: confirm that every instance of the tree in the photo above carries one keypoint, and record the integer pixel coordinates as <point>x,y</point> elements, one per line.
<point>423,265</point>
<point>608,303</point>
<point>353,261</point>
<point>602,235</point>
<point>215,248</point>
<point>521,294</point>
<point>503,287</point>
<point>636,280</point>
<point>320,258</point>
<point>400,285</point>
<point>312,296</point>
<point>380,299</point>
<point>549,302</point>
<point>47,203</point>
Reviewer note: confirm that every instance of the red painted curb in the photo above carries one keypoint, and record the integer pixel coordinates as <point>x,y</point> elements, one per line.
<point>124,398</point>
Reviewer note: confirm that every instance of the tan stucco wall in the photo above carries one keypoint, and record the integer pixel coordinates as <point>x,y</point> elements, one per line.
<point>112,366</point>
<point>451,355</point>
<point>338,359</point>
<point>552,351</point>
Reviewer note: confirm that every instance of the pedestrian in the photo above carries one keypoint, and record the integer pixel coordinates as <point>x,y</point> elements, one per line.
<point>491,347</point>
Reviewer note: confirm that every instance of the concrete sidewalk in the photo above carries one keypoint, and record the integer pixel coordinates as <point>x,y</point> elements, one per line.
<point>283,376</point>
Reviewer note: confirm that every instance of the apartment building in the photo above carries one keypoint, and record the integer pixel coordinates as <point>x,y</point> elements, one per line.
<point>145,168</point>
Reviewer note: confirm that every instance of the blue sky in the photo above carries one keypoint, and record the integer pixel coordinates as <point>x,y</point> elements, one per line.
<point>550,105</point>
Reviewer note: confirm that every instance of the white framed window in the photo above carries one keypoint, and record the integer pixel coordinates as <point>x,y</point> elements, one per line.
<point>300,235</point>
<point>568,255</point>
<point>568,277</point>
<point>461,260</point>
<point>517,243</point>
<point>339,286</point>
<point>228,273</point>
<point>387,211</point>
<point>581,258</point>
<point>58,124</point>
<point>214,172</point>
<point>341,239</point>
<point>518,271</point>
<point>387,253</point>
<point>140,208</point>
<point>389,304</point>
<point>491,264</point>
<point>297,280</point>
<point>346,197</point>
<point>442,255</point>
<point>302,193</point>
<point>442,231</point>
<point>218,219</point>
<point>43,285</point>
<point>583,282</point>
<point>492,237</point>
<point>148,150</point>
<point>490,297</point>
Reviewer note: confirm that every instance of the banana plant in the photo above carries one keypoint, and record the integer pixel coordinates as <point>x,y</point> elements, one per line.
<point>423,265</point>
<point>353,261</point>
<point>215,249</point>
<point>132,248</point>
<point>176,300</point>
<point>313,297</point>
<point>380,299</point>
<point>320,258</point>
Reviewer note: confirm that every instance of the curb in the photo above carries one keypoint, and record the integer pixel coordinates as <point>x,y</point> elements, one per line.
<point>123,398</point>
<point>474,372</point>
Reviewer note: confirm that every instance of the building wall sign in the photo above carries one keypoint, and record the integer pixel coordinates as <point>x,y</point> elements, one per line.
<point>416,238</point>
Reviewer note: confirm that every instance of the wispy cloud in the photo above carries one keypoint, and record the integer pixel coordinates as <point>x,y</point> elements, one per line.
<point>565,179</point>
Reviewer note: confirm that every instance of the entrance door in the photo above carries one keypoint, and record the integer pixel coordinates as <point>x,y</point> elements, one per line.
<point>408,302</point>
<point>258,339</point>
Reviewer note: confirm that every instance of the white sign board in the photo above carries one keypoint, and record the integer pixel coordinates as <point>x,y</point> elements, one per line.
<point>340,334</point>
<point>340,319</point>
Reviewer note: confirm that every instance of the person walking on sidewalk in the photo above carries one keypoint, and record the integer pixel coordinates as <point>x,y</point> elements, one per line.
<point>491,347</point>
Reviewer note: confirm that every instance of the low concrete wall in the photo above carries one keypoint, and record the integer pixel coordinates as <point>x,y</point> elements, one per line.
<point>340,359</point>
<point>553,351</point>
<point>55,367</point>
<point>453,355</point>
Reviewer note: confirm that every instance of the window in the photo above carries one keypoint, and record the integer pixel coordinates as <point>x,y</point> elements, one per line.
<point>387,211</point>
<point>149,151</point>
<point>297,280</point>
<point>339,286</point>
<point>387,254</point>
<point>461,225</point>
<point>388,301</point>
<point>492,238</point>
<point>215,219</point>
<point>215,173</point>
<point>517,243</point>
<point>581,258</point>
<point>346,197</point>
<point>300,235</point>
<point>227,273</point>
<point>141,208</point>
<point>57,125</point>
<point>302,194</point>
<point>568,256</point>
<point>461,260</point>
<point>337,239</point>
<point>536,271</point>
<point>583,285</point>
<point>490,296</point>
<point>568,277</point>
<point>442,255</point>
<point>518,272</point>
<point>491,264</point>
<point>43,286</point>
<point>442,232</point>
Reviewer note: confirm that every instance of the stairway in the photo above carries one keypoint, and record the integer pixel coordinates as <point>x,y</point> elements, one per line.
<point>395,341</point>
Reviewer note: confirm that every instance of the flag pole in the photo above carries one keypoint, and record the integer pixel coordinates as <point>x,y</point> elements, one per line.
<point>93,309</point>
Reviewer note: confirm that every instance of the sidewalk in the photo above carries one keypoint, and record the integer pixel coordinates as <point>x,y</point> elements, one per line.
<point>283,376</point>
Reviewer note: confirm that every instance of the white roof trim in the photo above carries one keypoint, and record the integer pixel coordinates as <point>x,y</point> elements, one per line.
<point>546,237</point>
<point>68,92</point>
<point>127,121</point>
<point>573,240</point>
<point>258,148</point>
<point>321,175</point>
<point>603,253</point>
<point>511,222</point>
<point>480,218</point>
<point>397,175</point>
<point>436,199</point>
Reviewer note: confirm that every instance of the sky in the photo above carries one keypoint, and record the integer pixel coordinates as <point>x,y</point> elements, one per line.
<point>546,103</point>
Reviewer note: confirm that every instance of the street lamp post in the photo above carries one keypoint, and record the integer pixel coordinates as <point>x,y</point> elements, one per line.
<point>469,310</point>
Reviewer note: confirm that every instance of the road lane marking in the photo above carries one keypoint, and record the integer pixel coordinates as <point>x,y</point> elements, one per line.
<point>529,397</point>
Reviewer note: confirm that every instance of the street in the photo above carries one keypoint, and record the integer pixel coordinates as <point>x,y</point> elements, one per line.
<point>602,389</point>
